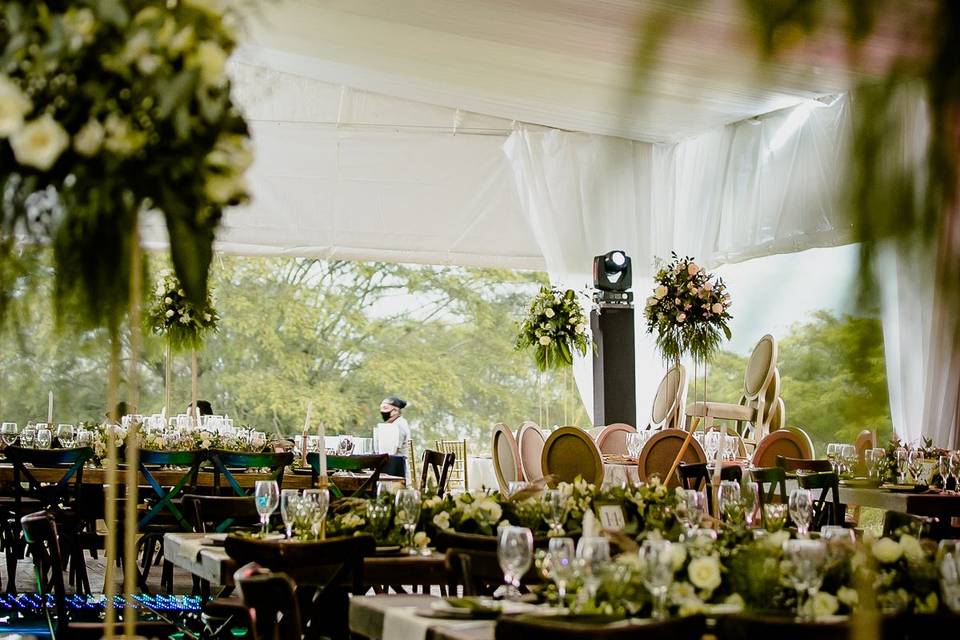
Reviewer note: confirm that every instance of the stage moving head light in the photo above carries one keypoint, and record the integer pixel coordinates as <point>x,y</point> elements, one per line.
<point>612,271</point>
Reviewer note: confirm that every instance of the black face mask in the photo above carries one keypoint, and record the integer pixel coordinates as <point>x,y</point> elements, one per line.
<point>385,415</point>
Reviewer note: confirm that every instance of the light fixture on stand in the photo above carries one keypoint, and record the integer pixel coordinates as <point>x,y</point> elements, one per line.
<point>612,324</point>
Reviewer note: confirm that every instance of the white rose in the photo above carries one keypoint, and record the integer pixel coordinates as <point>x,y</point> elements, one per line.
<point>681,317</point>
<point>168,300</point>
<point>704,572</point>
<point>823,604</point>
<point>717,308</point>
<point>544,340</point>
<point>911,548</point>
<point>693,269</point>
<point>88,140</point>
<point>886,550</point>
<point>169,313</point>
<point>122,139</point>
<point>660,292</point>
<point>40,142</point>
<point>848,596</point>
<point>180,293</point>
<point>185,318</point>
<point>549,312</point>
<point>14,105</point>
<point>80,25</point>
<point>212,60</point>
<point>207,317</point>
<point>581,328</point>
<point>652,302</point>
<point>442,520</point>
<point>678,555</point>
<point>148,64</point>
<point>420,540</point>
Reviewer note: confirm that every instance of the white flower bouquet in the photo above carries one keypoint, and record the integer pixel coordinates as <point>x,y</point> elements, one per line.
<point>181,321</point>
<point>689,311</point>
<point>555,327</point>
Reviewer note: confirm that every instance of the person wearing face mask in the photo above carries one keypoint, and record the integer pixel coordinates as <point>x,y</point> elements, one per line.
<point>390,410</point>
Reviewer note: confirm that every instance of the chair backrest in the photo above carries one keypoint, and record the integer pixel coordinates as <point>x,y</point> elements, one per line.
<point>372,463</point>
<point>827,508</point>
<point>506,457</point>
<point>772,485</point>
<point>272,601</point>
<point>479,571</point>
<point>661,450</point>
<point>68,487</point>
<point>412,477</point>
<point>669,400</point>
<point>570,452</point>
<point>613,438</point>
<point>781,443</point>
<point>530,441</point>
<point>40,532</point>
<point>803,464</point>
<point>224,461</point>
<point>760,368</point>
<point>216,514</point>
<point>866,439</point>
<point>458,473</point>
<point>562,627</point>
<point>440,464</point>
<point>777,420</point>
<point>696,475</point>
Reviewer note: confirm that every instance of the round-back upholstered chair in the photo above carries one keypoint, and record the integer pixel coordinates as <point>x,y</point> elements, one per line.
<point>791,442</point>
<point>530,440</point>
<point>506,457</point>
<point>570,452</point>
<point>669,400</point>
<point>866,439</point>
<point>661,450</point>
<point>613,438</point>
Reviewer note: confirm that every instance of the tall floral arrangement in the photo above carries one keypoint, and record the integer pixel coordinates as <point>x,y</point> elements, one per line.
<point>107,109</point>
<point>689,311</point>
<point>555,327</point>
<point>182,322</point>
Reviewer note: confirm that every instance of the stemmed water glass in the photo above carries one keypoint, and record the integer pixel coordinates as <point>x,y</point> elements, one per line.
<point>916,466</point>
<point>561,556</point>
<point>267,495</point>
<point>318,501</point>
<point>749,501</point>
<point>8,432</point>
<point>65,435</point>
<point>873,458</point>
<point>801,510</point>
<point>728,498</point>
<point>848,458</point>
<point>553,511</point>
<point>28,436</point>
<point>634,445</point>
<point>690,508</point>
<point>593,553</point>
<point>289,503</point>
<point>44,436</point>
<point>656,571</point>
<point>378,515</point>
<point>407,514</point>
<point>806,558</point>
<point>943,470</point>
<point>903,460</point>
<point>515,554</point>
<point>712,443</point>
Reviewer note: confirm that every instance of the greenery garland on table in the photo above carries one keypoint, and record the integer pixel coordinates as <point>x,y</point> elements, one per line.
<point>689,311</point>
<point>555,327</point>
<point>108,109</point>
<point>196,440</point>
<point>182,322</point>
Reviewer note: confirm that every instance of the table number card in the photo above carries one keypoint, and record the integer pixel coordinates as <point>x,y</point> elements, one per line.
<point>611,517</point>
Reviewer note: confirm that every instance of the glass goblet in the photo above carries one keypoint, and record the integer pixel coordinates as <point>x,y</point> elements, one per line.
<point>807,559</point>
<point>749,501</point>
<point>65,435</point>
<point>8,432</point>
<point>562,554</point>
<point>728,499</point>
<point>801,510</point>
<point>656,571</point>
<point>553,511</point>
<point>407,514</point>
<point>515,555</point>
<point>289,501</point>
<point>593,553</point>
<point>775,516</point>
<point>44,436</point>
<point>267,496</point>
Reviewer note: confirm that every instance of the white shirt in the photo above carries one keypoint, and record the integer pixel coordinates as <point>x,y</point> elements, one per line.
<point>404,428</point>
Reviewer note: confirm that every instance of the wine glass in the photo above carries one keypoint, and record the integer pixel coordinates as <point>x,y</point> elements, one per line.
<point>553,511</point>
<point>8,432</point>
<point>712,442</point>
<point>65,435</point>
<point>289,501</point>
<point>948,563</point>
<point>320,499</point>
<point>833,450</point>
<point>806,558</point>
<point>28,436</point>
<point>874,461</point>
<point>690,508</point>
<point>634,445</point>
<point>407,514</point>
<point>561,554</point>
<point>378,515</point>
<point>593,553</point>
<point>656,571</point>
<point>915,461</point>
<point>515,554</point>
<point>728,498</point>
<point>943,469</point>
<point>955,470</point>
<point>775,514</point>
<point>749,500</point>
<point>267,495</point>
<point>848,457</point>
<point>801,510</point>
<point>44,436</point>
<point>903,459</point>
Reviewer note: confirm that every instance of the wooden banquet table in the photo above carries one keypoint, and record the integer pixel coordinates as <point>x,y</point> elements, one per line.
<point>371,615</point>
<point>167,477</point>
<point>946,507</point>
<point>211,563</point>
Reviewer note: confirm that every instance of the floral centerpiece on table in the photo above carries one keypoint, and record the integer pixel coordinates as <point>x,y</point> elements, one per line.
<point>555,327</point>
<point>109,109</point>
<point>182,322</point>
<point>689,311</point>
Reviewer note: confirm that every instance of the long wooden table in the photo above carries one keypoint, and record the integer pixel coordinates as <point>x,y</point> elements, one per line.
<point>944,506</point>
<point>346,482</point>
<point>212,563</point>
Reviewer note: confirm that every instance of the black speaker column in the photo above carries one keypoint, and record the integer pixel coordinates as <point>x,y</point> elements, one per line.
<point>614,372</point>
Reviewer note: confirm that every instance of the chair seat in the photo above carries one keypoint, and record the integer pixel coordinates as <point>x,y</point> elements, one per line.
<point>721,411</point>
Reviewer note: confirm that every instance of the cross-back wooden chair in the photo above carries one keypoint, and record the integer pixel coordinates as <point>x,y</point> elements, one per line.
<point>372,463</point>
<point>771,485</point>
<point>225,462</point>
<point>440,465</point>
<point>792,465</point>
<point>458,473</point>
<point>696,475</point>
<point>827,508</point>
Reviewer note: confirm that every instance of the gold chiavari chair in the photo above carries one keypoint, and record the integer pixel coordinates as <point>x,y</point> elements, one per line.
<point>411,466</point>
<point>458,474</point>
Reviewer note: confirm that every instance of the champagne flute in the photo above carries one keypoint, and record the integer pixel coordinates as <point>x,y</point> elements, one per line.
<point>515,554</point>
<point>656,571</point>
<point>943,469</point>
<point>801,510</point>
<point>562,555</point>
<point>916,466</point>
<point>902,462</point>
<point>407,514</point>
<point>267,495</point>
<point>289,500</point>
<point>553,511</point>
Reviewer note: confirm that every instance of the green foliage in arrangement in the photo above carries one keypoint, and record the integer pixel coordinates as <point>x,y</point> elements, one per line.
<point>555,328</point>
<point>182,322</point>
<point>111,108</point>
